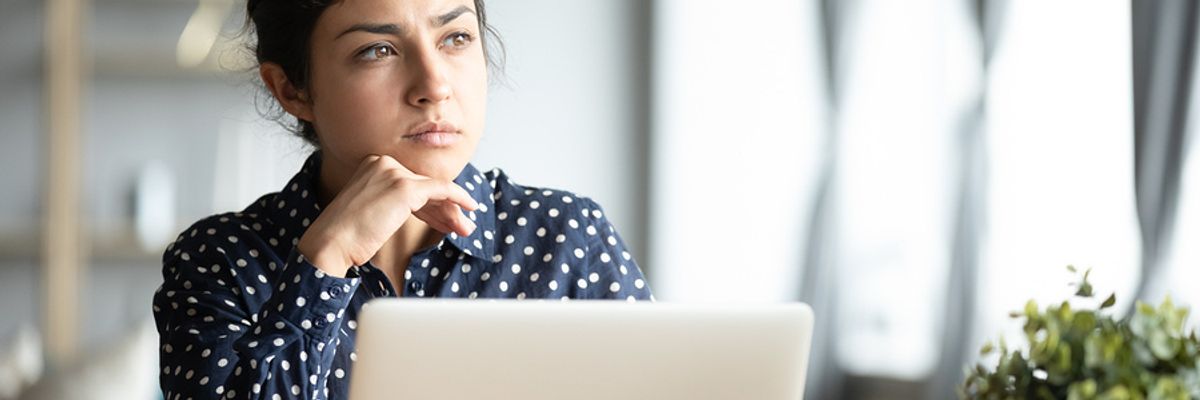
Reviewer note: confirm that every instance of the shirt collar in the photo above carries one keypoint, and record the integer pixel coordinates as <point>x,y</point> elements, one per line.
<point>481,242</point>
<point>295,207</point>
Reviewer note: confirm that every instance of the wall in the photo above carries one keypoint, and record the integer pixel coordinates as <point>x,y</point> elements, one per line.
<point>570,113</point>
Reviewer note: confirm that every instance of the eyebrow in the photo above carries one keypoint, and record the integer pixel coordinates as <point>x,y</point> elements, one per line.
<point>393,29</point>
<point>385,29</point>
<point>452,15</point>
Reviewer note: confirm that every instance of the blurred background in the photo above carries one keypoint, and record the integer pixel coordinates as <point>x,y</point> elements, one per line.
<point>914,170</point>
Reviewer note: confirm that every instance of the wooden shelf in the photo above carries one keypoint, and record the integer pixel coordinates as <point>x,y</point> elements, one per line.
<point>108,248</point>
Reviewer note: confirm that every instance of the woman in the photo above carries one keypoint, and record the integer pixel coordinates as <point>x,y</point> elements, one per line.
<point>262,303</point>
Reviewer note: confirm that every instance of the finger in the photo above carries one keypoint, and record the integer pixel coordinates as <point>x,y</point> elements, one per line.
<point>448,214</point>
<point>450,192</point>
<point>365,166</point>
<point>369,161</point>
<point>463,224</point>
<point>432,213</point>
<point>435,221</point>
<point>425,192</point>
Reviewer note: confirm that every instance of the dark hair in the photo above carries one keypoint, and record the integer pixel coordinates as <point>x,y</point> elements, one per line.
<point>282,32</point>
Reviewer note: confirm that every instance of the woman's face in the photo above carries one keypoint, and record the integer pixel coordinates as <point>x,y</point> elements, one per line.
<point>405,78</point>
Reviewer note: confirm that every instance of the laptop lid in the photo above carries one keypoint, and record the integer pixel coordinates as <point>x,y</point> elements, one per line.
<point>460,349</point>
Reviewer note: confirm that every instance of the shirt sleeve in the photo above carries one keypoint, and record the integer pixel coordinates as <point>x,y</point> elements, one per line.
<point>228,330</point>
<point>611,271</point>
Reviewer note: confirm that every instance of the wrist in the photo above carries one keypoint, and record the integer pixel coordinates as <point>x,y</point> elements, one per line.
<point>324,255</point>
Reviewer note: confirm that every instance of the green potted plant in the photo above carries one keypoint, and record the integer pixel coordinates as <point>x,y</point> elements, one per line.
<point>1087,354</point>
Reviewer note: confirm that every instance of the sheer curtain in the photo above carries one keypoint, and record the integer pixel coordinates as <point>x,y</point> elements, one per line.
<point>1164,70</point>
<point>738,129</point>
<point>914,170</point>
<point>909,74</point>
<point>1060,176</point>
<point>1165,39</point>
<point>1181,269</point>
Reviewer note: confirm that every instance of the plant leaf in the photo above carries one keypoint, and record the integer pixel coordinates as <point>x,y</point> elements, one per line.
<point>1112,299</point>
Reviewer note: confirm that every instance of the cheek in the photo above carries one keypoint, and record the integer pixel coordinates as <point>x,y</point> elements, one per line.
<point>356,106</point>
<point>473,94</point>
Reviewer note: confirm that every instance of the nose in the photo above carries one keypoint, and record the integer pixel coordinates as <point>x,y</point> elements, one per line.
<point>431,83</point>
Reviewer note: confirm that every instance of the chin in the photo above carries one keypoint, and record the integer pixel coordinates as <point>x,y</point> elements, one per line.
<point>444,163</point>
<point>436,166</point>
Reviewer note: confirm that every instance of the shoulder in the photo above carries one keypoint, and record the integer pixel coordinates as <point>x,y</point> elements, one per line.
<point>222,234</point>
<point>513,198</point>
<point>547,213</point>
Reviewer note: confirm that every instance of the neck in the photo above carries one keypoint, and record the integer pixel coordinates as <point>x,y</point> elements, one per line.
<point>395,255</point>
<point>330,181</point>
<point>414,235</point>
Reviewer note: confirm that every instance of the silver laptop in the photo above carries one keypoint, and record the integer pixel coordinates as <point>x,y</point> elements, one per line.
<point>460,349</point>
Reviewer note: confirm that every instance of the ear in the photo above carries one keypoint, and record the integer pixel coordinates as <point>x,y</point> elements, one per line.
<point>294,101</point>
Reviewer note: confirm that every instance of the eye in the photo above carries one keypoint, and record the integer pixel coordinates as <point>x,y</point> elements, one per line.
<point>377,52</point>
<point>458,40</point>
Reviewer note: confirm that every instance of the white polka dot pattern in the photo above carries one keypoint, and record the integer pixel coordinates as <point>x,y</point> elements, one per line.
<point>242,314</point>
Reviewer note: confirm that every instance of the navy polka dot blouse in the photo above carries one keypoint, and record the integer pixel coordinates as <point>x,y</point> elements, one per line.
<point>241,314</point>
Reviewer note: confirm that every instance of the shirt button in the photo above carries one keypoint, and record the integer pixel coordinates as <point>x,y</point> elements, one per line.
<point>415,286</point>
<point>335,291</point>
<point>319,322</point>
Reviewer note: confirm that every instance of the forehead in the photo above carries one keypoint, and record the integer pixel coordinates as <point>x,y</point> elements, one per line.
<point>410,13</point>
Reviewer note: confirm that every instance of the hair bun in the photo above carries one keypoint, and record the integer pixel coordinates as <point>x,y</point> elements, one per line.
<point>251,5</point>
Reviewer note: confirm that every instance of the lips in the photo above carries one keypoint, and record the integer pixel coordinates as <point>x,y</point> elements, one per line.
<point>435,134</point>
